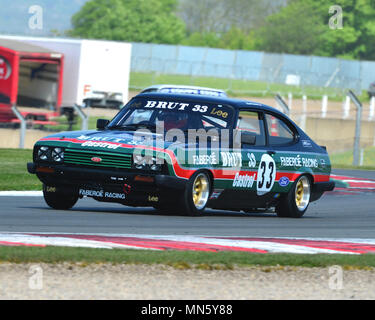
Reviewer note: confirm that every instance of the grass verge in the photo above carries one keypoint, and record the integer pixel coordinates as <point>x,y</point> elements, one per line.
<point>344,160</point>
<point>13,171</point>
<point>180,259</point>
<point>236,87</point>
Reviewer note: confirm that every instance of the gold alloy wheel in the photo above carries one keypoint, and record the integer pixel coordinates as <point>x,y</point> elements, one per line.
<point>302,193</point>
<point>201,191</point>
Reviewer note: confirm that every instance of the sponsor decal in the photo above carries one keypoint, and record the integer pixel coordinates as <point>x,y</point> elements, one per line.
<point>243,180</point>
<point>205,159</point>
<point>101,194</point>
<point>214,111</point>
<point>50,189</point>
<point>114,195</point>
<point>322,163</point>
<point>231,159</point>
<point>299,161</point>
<point>153,198</point>
<point>216,194</point>
<point>283,181</point>
<point>100,144</point>
<point>167,105</point>
<point>127,188</point>
<point>106,139</point>
<point>252,160</point>
<point>193,91</point>
<point>266,174</point>
<point>306,143</point>
<point>219,113</point>
<point>118,178</point>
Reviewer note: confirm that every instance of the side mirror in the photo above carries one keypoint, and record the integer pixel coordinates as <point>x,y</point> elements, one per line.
<point>101,123</point>
<point>248,138</point>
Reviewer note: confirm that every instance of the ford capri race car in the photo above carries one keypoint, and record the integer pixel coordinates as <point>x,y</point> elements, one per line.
<point>184,153</point>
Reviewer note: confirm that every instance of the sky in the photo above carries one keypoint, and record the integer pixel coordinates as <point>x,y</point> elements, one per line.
<point>37,17</point>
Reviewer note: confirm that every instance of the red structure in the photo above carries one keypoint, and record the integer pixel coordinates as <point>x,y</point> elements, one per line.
<point>30,77</point>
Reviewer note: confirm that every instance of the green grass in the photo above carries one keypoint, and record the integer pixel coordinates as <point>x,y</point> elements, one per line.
<point>235,87</point>
<point>345,159</point>
<point>180,259</point>
<point>13,172</point>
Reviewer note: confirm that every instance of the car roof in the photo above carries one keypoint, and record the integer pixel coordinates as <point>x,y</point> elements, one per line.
<point>173,88</point>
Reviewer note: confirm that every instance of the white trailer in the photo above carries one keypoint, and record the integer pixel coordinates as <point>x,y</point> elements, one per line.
<point>96,73</point>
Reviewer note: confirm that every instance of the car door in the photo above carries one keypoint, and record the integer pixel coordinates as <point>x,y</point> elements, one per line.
<point>281,139</point>
<point>251,123</point>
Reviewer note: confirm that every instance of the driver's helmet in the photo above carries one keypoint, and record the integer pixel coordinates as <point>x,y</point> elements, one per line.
<point>174,120</point>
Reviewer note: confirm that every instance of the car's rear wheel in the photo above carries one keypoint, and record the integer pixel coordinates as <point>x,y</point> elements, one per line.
<point>197,193</point>
<point>297,200</point>
<point>59,200</point>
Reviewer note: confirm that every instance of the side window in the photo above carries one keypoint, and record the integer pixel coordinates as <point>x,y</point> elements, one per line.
<point>251,122</point>
<point>278,131</point>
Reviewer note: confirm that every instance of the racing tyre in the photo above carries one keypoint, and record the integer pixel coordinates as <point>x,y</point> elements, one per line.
<point>197,193</point>
<point>59,200</point>
<point>296,201</point>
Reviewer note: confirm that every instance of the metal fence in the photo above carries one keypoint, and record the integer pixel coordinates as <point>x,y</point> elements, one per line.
<point>306,73</point>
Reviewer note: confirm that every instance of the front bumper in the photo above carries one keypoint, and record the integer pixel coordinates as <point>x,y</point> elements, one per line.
<point>138,186</point>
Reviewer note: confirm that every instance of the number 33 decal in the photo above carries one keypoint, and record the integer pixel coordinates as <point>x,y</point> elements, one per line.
<point>266,175</point>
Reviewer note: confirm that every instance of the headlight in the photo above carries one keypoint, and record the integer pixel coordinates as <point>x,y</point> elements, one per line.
<point>51,154</point>
<point>58,154</point>
<point>43,153</point>
<point>147,163</point>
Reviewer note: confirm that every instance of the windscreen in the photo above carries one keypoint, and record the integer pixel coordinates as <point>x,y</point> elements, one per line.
<point>172,114</point>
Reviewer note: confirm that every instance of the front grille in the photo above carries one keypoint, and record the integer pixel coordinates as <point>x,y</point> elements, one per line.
<point>108,159</point>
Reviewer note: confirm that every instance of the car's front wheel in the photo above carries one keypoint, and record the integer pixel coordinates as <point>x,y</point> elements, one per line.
<point>296,201</point>
<point>197,193</point>
<point>59,200</point>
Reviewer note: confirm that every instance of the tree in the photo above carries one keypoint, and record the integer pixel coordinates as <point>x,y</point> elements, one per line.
<point>356,38</point>
<point>296,29</point>
<point>129,20</point>
<point>237,39</point>
<point>219,16</point>
<point>206,39</point>
<point>308,27</point>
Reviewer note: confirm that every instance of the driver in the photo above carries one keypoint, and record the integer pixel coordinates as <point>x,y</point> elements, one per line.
<point>174,120</point>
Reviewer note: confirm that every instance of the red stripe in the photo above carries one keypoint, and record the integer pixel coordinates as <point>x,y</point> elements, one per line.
<point>8,243</point>
<point>361,184</point>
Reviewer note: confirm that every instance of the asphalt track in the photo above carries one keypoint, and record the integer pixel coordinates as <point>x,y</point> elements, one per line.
<point>335,215</point>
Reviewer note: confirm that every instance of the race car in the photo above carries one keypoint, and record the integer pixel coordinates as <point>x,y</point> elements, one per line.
<point>183,153</point>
